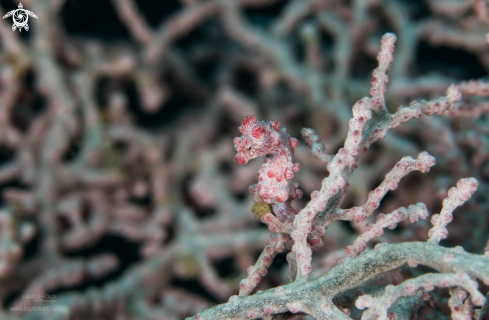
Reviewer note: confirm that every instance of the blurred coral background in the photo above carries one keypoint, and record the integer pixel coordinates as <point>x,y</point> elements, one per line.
<point>120,198</point>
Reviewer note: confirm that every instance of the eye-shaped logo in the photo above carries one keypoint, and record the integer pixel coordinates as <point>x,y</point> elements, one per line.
<point>20,17</point>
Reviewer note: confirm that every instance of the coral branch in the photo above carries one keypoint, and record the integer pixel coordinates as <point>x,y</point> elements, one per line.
<point>379,76</point>
<point>314,295</point>
<point>456,197</point>
<point>377,307</point>
<point>259,270</point>
<point>483,313</point>
<point>411,213</point>
<point>391,181</point>
<point>317,148</point>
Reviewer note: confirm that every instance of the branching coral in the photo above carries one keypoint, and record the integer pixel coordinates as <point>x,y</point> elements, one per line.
<point>119,196</point>
<point>315,298</point>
